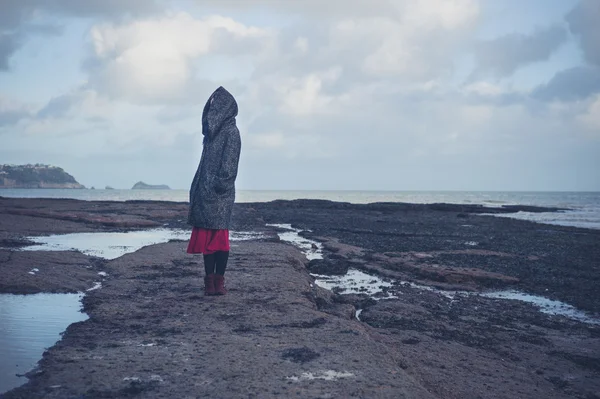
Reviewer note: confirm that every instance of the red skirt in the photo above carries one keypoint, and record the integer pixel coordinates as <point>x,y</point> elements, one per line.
<point>208,241</point>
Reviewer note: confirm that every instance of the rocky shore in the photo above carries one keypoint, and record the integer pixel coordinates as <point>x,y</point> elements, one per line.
<point>429,333</point>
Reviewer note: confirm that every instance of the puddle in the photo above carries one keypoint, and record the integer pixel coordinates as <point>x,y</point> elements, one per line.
<point>328,375</point>
<point>28,325</point>
<point>312,249</point>
<point>545,305</point>
<point>447,294</point>
<point>105,245</point>
<point>242,236</point>
<point>354,282</point>
<point>357,282</point>
<point>31,323</point>
<point>114,245</point>
<point>97,285</point>
<point>358,312</point>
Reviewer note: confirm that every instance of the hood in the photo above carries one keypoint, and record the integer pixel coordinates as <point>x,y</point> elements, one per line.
<point>220,109</point>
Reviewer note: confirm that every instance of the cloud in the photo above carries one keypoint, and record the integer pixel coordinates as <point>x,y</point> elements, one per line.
<point>501,57</point>
<point>153,60</point>
<point>355,94</point>
<point>488,94</point>
<point>88,123</point>
<point>304,96</point>
<point>92,8</point>
<point>81,102</point>
<point>60,106</point>
<point>590,119</point>
<point>570,85</point>
<point>417,42</point>
<point>20,19</point>
<point>449,13</point>
<point>376,38</point>
<point>484,89</point>
<point>9,43</point>
<point>352,65</point>
<point>12,112</point>
<point>580,82</point>
<point>583,21</point>
<point>16,12</point>
<point>262,141</point>
<point>310,8</point>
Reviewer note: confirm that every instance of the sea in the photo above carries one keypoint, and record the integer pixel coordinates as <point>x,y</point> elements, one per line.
<point>583,207</point>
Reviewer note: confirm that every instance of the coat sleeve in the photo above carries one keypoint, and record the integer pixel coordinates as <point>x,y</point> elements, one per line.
<point>229,163</point>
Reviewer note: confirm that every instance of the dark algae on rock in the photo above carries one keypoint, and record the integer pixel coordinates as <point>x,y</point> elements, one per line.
<point>426,242</point>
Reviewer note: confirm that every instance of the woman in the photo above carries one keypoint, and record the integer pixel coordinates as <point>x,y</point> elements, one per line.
<point>213,189</point>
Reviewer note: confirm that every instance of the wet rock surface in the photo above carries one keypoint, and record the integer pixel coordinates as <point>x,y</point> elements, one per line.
<point>51,272</point>
<point>434,243</point>
<point>152,332</point>
<point>54,216</point>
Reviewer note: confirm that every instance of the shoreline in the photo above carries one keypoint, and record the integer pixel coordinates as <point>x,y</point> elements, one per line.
<point>581,209</point>
<point>434,346</point>
<point>421,223</point>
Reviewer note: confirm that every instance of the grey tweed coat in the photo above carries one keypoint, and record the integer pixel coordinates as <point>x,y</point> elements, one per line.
<point>213,189</point>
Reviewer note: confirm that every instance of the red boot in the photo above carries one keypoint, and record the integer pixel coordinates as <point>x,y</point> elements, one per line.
<point>220,285</point>
<point>209,284</point>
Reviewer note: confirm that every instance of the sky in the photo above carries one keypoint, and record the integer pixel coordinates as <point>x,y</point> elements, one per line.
<point>335,95</point>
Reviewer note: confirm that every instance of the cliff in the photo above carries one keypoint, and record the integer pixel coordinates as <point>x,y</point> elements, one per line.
<point>143,186</point>
<point>36,176</point>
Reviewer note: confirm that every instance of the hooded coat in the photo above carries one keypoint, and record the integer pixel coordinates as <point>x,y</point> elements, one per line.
<point>212,193</point>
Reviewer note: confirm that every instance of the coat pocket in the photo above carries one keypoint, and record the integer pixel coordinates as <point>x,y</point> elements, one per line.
<point>208,191</point>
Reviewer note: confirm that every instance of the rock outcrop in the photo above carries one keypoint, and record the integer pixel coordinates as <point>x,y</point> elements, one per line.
<point>36,176</point>
<point>143,186</point>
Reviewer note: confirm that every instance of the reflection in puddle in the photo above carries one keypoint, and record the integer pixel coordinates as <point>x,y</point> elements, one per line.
<point>28,325</point>
<point>357,282</point>
<point>114,245</point>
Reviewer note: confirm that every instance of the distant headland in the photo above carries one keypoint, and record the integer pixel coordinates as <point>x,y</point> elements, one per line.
<point>36,176</point>
<point>143,186</point>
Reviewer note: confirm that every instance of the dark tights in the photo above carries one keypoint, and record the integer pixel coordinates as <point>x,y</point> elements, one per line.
<point>218,259</point>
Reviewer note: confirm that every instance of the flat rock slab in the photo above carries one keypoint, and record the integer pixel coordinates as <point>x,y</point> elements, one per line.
<point>152,333</point>
<point>43,215</point>
<point>32,272</point>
